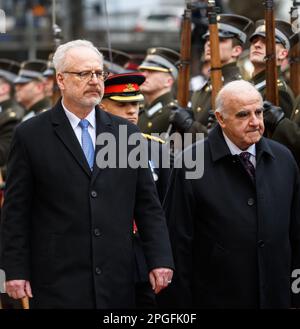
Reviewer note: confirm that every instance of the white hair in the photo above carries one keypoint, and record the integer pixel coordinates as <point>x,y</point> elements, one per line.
<point>61,51</point>
<point>235,89</point>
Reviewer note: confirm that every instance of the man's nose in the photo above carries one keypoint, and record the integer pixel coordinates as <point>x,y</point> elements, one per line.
<point>254,120</point>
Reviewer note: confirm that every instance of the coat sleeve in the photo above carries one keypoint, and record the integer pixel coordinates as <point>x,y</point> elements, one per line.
<point>151,222</point>
<point>179,207</point>
<point>15,221</point>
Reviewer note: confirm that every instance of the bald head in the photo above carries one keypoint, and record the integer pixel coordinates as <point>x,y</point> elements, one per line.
<point>238,91</point>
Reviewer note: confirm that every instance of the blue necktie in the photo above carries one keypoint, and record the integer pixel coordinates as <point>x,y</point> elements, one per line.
<point>87,143</point>
<point>245,157</point>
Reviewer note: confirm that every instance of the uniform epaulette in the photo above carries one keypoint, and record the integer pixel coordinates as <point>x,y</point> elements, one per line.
<point>154,138</point>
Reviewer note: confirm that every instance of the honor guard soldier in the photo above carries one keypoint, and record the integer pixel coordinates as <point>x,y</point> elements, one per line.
<point>11,113</point>
<point>115,61</point>
<point>233,31</point>
<point>49,75</point>
<point>122,97</point>
<point>160,68</point>
<point>282,129</point>
<point>30,88</point>
<point>283,34</point>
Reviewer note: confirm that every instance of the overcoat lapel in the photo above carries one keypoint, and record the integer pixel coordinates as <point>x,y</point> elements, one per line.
<point>64,131</point>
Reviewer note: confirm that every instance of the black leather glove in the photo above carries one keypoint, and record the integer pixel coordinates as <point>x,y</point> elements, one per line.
<point>272,116</point>
<point>212,120</point>
<point>181,119</point>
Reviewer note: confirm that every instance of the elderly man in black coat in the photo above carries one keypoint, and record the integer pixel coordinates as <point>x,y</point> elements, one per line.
<point>67,218</point>
<point>235,231</point>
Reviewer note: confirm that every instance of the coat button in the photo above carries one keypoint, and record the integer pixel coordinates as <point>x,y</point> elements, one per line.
<point>94,194</point>
<point>261,243</point>
<point>251,202</point>
<point>98,270</point>
<point>97,232</point>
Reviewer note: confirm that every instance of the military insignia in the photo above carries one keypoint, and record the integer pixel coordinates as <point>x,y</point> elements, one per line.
<point>12,114</point>
<point>261,28</point>
<point>129,87</point>
<point>199,109</point>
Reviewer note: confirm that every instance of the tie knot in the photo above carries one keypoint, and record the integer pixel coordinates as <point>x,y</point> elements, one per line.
<point>83,123</point>
<point>245,155</point>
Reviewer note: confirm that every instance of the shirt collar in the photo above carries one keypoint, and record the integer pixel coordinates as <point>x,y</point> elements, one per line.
<point>74,120</point>
<point>236,150</point>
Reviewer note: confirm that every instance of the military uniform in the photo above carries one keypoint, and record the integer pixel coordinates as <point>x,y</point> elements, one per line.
<point>31,71</point>
<point>154,117</point>
<point>283,34</point>
<point>285,94</point>
<point>11,114</point>
<point>201,99</point>
<point>229,27</point>
<point>287,132</point>
<point>38,108</point>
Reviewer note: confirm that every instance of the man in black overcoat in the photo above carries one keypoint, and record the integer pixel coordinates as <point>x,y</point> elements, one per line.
<point>67,217</point>
<point>235,231</point>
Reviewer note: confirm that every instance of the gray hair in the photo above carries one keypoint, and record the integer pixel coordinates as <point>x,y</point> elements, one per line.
<point>236,89</point>
<point>61,51</point>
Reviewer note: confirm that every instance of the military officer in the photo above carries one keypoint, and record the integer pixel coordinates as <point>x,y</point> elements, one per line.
<point>30,88</point>
<point>284,130</point>
<point>160,68</point>
<point>233,31</point>
<point>283,33</point>
<point>122,97</point>
<point>11,112</point>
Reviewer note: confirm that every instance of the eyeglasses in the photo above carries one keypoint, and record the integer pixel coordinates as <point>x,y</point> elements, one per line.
<point>88,75</point>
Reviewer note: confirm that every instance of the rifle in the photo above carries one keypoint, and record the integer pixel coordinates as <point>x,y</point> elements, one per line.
<point>294,54</point>
<point>215,61</point>
<point>185,58</point>
<point>271,67</point>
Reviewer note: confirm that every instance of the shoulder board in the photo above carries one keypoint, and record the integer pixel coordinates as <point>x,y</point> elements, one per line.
<point>152,110</point>
<point>154,138</point>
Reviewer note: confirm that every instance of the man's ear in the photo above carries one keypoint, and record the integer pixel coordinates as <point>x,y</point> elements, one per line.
<point>102,106</point>
<point>220,118</point>
<point>60,81</point>
<point>236,51</point>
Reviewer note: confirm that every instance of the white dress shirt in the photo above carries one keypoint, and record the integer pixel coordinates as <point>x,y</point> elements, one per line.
<point>235,150</point>
<point>74,121</point>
